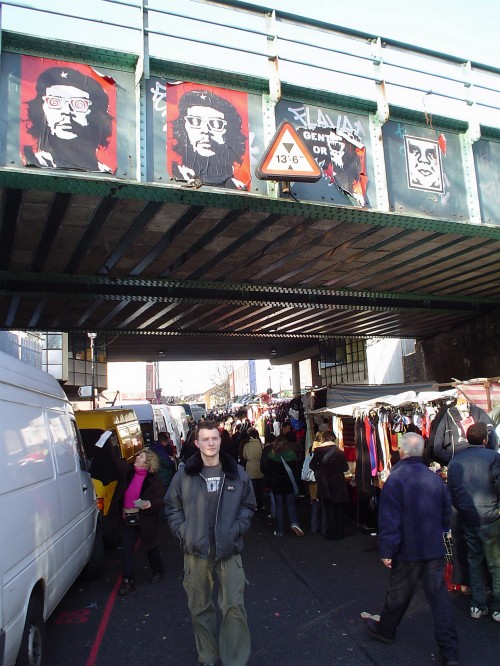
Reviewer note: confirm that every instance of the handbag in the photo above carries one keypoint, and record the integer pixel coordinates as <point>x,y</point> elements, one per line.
<point>290,476</point>
<point>307,473</point>
<point>131,518</point>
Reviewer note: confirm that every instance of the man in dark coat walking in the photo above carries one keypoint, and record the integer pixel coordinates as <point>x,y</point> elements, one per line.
<point>414,512</point>
<point>474,480</point>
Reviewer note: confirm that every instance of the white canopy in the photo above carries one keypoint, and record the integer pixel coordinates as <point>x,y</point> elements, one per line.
<point>398,400</point>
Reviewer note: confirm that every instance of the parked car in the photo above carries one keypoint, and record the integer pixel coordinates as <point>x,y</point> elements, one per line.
<point>109,434</point>
<point>49,530</point>
<point>194,411</point>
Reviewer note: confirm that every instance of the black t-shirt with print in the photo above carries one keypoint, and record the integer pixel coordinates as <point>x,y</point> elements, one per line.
<point>212,476</point>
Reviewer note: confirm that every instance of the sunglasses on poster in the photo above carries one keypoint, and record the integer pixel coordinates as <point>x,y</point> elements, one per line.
<point>76,104</point>
<point>213,124</point>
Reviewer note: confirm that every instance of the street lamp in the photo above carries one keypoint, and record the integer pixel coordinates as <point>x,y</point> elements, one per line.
<point>92,337</point>
<point>270,389</point>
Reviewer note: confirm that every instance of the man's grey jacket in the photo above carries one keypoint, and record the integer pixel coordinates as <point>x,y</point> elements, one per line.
<point>186,508</point>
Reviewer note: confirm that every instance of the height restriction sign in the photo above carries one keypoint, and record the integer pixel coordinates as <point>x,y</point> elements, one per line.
<point>288,158</point>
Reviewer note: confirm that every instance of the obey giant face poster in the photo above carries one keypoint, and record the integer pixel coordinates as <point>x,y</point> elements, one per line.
<point>425,172</point>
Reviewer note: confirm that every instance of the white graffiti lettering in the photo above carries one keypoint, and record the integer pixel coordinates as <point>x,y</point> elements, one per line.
<point>314,119</point>
<point>159,97</point>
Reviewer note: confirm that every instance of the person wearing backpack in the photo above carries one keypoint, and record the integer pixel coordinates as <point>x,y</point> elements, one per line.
<point>329,464</point>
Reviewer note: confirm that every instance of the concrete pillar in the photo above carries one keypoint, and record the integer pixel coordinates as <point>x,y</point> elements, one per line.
<point>295,377</point>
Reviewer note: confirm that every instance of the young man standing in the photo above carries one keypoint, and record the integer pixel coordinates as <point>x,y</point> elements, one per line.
<point>209,505</point>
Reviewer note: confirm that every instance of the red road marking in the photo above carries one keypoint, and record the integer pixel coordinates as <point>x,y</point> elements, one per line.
<point>104,623</point>
<point>73,617</point>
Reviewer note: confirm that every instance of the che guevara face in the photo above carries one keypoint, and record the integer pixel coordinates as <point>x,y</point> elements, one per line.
<point>206,129</point>
<point>66,110</point>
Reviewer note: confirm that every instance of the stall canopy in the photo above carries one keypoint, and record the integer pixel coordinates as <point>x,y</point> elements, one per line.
<point>484,393</point>
<point>426,394</point>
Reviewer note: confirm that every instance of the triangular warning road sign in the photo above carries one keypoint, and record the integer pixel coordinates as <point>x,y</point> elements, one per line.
<point>288,158</point>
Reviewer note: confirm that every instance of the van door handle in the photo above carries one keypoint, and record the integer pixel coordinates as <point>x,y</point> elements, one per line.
<point>85,488</point>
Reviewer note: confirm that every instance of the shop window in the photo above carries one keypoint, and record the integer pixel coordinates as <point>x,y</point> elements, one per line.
<point>343,361</point>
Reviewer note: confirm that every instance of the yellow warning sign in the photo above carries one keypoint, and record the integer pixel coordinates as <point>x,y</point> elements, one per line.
<point>288,158</point>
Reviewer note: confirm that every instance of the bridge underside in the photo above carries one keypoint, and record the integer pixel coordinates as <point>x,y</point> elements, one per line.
<point>171,272</point>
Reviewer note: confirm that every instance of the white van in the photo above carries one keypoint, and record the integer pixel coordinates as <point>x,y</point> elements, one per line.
<point>48,511</point>
<point>180,416</point>
<point>172,426</point>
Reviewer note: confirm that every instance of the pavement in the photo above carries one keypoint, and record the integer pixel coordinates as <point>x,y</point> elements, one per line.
<point>304,602</point>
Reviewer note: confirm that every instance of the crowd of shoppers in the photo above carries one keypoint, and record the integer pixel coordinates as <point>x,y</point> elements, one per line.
<point>226,471</point>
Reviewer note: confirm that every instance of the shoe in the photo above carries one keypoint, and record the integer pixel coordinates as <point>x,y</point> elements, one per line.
<point>372,627</point>
<point>495,616</point>
<point>127,586</point>
<point>476,612</point>
<point>297,530</point>
<point>366,615</point>
<point>278,533</point>
<point>156,578</point>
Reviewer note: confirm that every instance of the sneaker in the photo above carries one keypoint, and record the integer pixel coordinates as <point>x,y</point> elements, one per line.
<point>156,578</point>
<point>297,530</point>
<point>127,586</point>
<point>495,616</point>
<point>278,533</point>
<point>476,612</point>
<point>365,615</point>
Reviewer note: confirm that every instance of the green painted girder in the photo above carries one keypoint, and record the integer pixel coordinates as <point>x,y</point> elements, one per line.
<point>323,97</point>
<point>205,75</point>
<point>405,115</point>
<point>167,290</point>
<point>50,48</point>
<point>105,186</point>
<point>490,132</point>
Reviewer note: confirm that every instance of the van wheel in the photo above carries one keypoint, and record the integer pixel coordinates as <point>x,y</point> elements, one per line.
<point>32,650</point>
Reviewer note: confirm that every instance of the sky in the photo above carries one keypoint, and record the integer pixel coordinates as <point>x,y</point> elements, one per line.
<point>176,377</point>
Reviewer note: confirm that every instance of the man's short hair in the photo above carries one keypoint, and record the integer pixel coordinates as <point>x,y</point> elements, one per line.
<point>206,425</point>
<point>329,436</point>
<point>412,444</point>
<point>477,433</point>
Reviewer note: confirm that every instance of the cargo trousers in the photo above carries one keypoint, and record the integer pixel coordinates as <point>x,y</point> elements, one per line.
<point>233,646</point>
